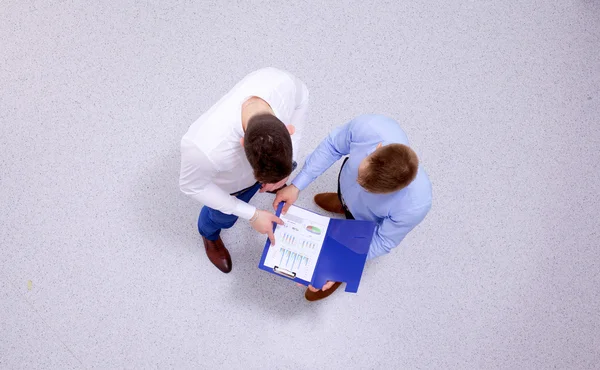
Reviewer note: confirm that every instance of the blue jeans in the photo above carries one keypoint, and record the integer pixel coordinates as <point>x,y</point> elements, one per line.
<point>211,221</point>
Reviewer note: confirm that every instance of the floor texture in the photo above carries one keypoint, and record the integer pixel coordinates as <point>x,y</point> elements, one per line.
<point>101,265</point>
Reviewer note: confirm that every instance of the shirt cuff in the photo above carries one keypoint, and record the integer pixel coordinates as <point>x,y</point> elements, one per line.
<point>244,210</point>
<point>302,180</point>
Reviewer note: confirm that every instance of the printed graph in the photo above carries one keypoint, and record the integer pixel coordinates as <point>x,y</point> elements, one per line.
<point>313,229</point>
<point>308,244</point>
<point>289,239</point>
<point>298,242</point>
<point>290,260</point>
<point>294,241</point>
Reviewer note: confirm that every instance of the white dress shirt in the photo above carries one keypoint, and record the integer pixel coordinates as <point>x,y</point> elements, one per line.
<point>213,162</point>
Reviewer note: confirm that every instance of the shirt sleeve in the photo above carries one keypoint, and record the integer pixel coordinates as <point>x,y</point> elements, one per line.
<point>393,229</point>
<point>299,116</point>
<point>335,146</point>
<point>195,180</point>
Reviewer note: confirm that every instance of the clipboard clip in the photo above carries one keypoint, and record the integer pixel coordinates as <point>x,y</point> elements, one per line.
<point>284,272</point>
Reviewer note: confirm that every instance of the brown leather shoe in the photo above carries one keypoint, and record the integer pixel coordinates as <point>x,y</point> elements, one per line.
<point>329,202</point>
<point>218,254</point>
<point>315,296</point>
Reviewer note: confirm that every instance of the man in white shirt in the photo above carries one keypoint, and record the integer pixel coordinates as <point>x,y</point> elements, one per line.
<point>247,142</point>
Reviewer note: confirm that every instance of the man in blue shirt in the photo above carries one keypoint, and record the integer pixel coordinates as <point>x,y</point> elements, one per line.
<point>380,180</point>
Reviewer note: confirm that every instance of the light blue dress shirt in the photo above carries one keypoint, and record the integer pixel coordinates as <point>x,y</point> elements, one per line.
<point>396,214</point>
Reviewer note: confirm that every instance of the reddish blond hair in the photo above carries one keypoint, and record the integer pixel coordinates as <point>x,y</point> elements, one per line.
<point>389,168</point>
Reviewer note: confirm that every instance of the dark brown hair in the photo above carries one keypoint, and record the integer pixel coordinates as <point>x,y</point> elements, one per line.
<point>389,168</point>
<point>268,147</point>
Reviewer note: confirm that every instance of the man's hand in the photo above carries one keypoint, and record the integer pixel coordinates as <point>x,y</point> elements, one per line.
<point>289,195</point>
<point>326,286</point>
<point>264,224</point>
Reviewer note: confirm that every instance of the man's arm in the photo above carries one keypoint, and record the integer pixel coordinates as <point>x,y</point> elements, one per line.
<point>335,146</point>
<point>299,116</point>
<point>392,230</point>
<point>197,172</point>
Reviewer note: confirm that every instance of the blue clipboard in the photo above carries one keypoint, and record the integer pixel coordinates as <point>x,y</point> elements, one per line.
<point>343,254</point>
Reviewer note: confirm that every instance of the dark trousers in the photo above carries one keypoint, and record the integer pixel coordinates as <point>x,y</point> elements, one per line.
<point>211,221</point>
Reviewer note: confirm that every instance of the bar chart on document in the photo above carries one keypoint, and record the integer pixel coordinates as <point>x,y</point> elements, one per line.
<point>298,242</point>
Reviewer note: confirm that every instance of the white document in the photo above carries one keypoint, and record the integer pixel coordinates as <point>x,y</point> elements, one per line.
<point>298,242</point>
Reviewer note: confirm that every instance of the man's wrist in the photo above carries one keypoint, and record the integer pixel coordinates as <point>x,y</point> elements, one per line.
<point>254,217</point>
<point>301,181</point>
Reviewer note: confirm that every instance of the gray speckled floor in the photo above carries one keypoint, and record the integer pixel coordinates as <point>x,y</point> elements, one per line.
<point>101,265</point>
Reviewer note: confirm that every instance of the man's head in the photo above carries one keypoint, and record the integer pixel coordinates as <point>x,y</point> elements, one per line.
<point>388,169</point>
<point>268,146</point>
